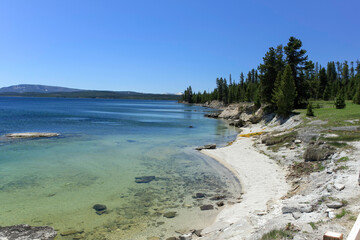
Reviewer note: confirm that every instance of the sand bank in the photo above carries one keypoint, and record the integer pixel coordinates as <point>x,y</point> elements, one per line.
<point>263,184</point>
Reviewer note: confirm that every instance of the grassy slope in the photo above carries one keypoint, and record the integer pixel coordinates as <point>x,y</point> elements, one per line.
<point>334,117</point>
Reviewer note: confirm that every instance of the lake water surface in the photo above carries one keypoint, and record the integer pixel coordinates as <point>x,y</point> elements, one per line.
<point>104,145</point>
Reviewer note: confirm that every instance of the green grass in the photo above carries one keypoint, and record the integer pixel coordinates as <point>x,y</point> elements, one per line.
<point>335,117</point>
<point>338,144</point>
<point>345,136</point>
<point>343,213</point>
<point>313,225</point>
<point>343,159</point>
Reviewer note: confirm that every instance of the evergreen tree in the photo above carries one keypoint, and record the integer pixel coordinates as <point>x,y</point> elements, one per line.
<point>286,93</point>
<point>340,100</point>
<point>268,74</point>
<point>356,98</point>
<point>309,110</point>
<point>296,59</point>
<point>323,80</point>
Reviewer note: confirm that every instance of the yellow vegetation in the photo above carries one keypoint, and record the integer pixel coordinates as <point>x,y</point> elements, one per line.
<point>251,134</point>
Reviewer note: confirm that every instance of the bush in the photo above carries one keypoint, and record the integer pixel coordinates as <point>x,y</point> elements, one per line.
<point>309,110</point>
<point>340,101</point>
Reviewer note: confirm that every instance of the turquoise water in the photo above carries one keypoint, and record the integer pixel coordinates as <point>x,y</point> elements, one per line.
<point>104,145</point>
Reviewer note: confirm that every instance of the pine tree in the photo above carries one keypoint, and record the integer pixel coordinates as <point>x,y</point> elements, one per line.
<point>267,75</point>
<point>356,98</point>
<point>309,110</point>
<point>286,94</point>
<point>296,59</point>
<point>340,100</point>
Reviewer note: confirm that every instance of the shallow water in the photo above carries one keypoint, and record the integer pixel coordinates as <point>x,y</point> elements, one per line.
<point>104,145</point>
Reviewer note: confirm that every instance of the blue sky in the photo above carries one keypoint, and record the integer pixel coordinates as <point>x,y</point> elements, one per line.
<point>163,46</point>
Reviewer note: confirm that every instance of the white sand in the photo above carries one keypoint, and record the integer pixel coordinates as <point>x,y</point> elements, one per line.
<point>263,184</point>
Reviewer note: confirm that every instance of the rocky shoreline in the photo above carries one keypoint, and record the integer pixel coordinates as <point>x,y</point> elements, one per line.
<point>314,186</point>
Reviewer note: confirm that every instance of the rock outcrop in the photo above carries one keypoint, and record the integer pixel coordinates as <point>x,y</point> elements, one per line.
<point>31,135</point>
<point>26,232</point>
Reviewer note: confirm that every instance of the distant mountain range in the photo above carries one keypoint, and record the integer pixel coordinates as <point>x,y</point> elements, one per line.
<point>23,88</point>
<point>33,90</point>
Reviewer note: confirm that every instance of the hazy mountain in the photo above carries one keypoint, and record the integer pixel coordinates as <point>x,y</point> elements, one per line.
<point>30,90</point>
<point>24,88</point>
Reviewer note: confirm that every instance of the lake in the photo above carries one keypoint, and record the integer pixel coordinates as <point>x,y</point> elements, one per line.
<point>104,144</point>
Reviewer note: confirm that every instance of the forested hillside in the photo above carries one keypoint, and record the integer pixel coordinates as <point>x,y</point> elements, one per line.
<point>286,79</point>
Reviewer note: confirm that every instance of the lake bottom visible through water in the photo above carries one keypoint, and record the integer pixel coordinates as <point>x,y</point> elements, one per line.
<point>57,181</point>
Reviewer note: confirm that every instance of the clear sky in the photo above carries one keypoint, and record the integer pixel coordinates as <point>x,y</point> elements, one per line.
<point>163,46</point>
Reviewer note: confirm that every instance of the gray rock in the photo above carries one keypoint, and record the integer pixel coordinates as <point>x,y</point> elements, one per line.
<point>199,195</point>
<point>208,146</point>
<point>334,205</point>
<point>186,236</point>
<point>339,186</point>
<point>198,232</point>
<point>207,207</point>
<point>31,135</point>
<point>144,179</point>
<point>99,207</point>
<point>303,208</point>
<point>289,209</point>
<point>26,232</point>
<point>170,214</point>
<point>306,208</point>
<point>329,188</point>
<point>296,215</point>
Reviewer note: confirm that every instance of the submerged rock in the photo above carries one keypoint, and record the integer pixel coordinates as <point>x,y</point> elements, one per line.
<point>71,232</point>
<point>31,135</point>
<point>144,179</point>
<point>99,207</point>
<point>218,197</point>
<point>199,195</point>
<point>207,207</point>
<point>24,231</point>
<point>220,204</point>
<point>170,214</point>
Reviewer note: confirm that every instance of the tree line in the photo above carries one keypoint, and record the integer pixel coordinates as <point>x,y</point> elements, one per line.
<point>286,79</point>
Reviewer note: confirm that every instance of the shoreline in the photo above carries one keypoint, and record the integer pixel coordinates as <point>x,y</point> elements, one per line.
<point>262,184</point>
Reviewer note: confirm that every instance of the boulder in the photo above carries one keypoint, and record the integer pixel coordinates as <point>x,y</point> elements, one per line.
<point>237,123</point>
<point>339,186</point>
<point>144,179</point>
<point>334,205</point>
<point>289,209</point>
<point>208,146</point>
<point>186,236</point>
<point>317,153</point>
<point>24,231</point>
<point>296,215</point>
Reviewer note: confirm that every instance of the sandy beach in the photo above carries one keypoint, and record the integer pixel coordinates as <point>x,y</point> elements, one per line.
<point>263,184</point>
